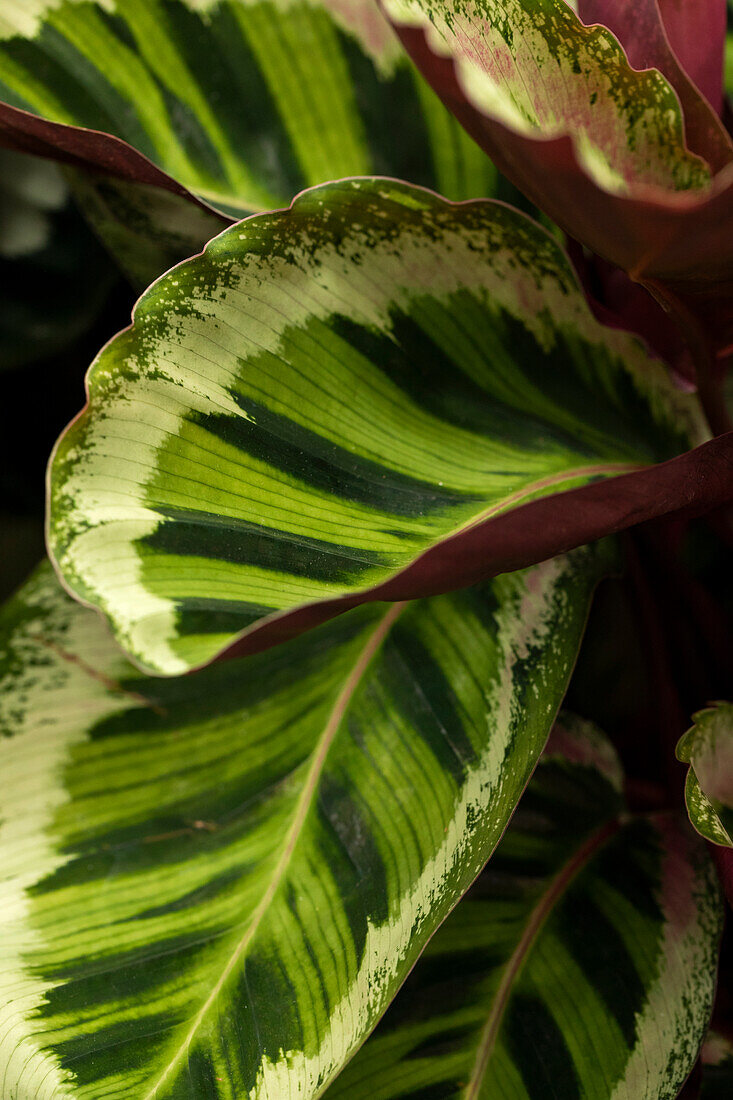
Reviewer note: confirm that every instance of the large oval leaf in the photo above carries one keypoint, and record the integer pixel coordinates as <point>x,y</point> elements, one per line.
<point>213,886</point>
<point>596,144</point>
<point>708,748</point>
<point>328,393</point>
<point>241,103</point>
<point>581,964</point>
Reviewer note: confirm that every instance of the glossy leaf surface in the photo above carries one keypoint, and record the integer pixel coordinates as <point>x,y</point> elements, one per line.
<point>684,42</point>
<point>597,145</point>
<point>708,748</point>
<point>240,104</point>
<point>328,393</point>
<point>581,964</point>
<point>213,885</point>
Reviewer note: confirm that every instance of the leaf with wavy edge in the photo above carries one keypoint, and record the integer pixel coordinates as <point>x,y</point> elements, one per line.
<point>596,145</point>
<point>685,43</point>
<point>582,963</point>
<point>697,36</point>
<point>327,396</point>
<point>708,748</point>
<point>144,217</point>
<point>214,885</point>
<point>230,102</point>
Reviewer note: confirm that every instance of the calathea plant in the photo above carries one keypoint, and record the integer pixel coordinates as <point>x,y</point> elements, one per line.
<point>438,313</point>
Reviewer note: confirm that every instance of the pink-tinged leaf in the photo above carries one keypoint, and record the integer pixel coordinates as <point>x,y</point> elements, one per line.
<point>696,32</point>
<point>708,748</point>
<point>358,395</point>
<point>646,39</point>
<point>596,144</point>
<point>621,303</point>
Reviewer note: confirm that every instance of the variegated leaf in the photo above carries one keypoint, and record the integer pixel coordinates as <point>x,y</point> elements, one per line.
<point>684,42</point>
<point>708,748</point>
<point>213,885</point>
<point>582,963</point>
<point>346,401</point>
<point>243,102</point>
<point>717,1068</point>
<point>146,228</point>
<point>598,145</point>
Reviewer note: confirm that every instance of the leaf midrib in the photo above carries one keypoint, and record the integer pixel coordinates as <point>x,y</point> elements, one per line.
<point>535,923</point>
<point>303,805</point>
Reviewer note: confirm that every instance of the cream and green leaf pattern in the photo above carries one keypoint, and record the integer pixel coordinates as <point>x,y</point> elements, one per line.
<point>244,102</point>
<point>327,393</point>
<point>708,748</point>
<point>534,67</point>
<point>212,886</point>
<point>581,964</point>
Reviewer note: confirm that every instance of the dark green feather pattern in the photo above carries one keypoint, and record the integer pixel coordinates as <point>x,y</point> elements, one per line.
<point>243,103</point>
<point>581,966</point>
<point>213,885</point>
<point>329,392</point>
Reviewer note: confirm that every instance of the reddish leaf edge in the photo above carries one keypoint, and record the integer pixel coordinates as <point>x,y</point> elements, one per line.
<point>690,484</point>
<point>665,214</point>
<point>90,150</point>
<point>640,30</point>
<point>697,34</point>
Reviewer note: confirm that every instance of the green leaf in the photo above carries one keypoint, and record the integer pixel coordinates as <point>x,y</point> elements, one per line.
<point>214,885</point>
<point>54,275</point>
<point>244,104</point>
<point>147,229</point>
<point>632,167</point>
<point>532,66</point>
<point>328,393</point>
<point>581,964</point>
<point>717,1068</point>
<point>708,748</point>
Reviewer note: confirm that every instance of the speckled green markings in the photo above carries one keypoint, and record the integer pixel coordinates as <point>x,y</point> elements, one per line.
<point>214,885</point>
<point>708,748</point>
<point>581,965</point>
<point>327,393</point>
<point>532,65</point>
